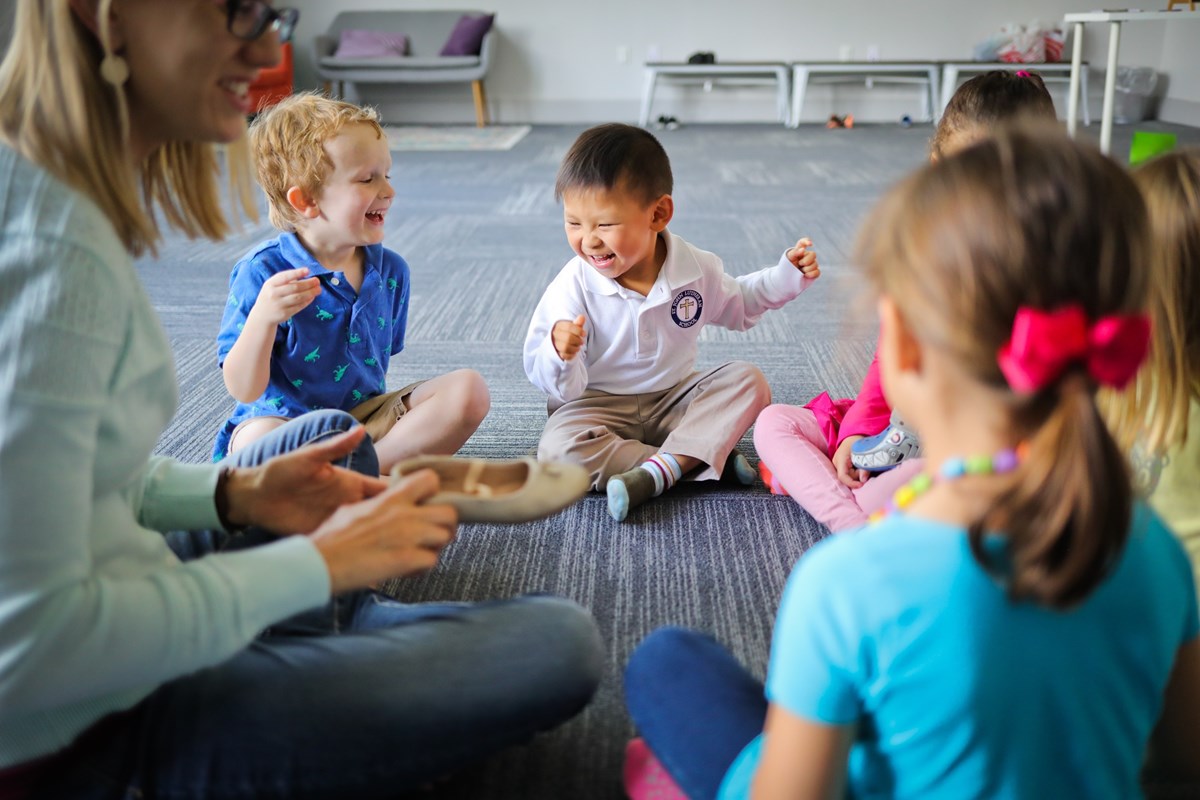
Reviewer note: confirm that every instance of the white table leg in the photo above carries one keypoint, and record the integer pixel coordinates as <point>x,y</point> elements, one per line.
<point>1084,104</point>
<point>1076,66</point>
<point>781,95</point>
<point>1110,85</point>
<point>799,87</point>
<point>933,94</point>
<point>648,96</point>
<point>949,84</point>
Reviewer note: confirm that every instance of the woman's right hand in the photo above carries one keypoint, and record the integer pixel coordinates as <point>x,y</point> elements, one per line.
<point>847,473</point>
<point>390,535</point>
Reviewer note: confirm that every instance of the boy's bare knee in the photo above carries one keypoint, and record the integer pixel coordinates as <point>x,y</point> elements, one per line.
<point>473,394</point>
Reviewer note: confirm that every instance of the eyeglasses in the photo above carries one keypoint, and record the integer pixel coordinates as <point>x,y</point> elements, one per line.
<point>250,19</point>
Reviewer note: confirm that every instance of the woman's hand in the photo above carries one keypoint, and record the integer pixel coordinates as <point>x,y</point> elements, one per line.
<point>390,535</point>
<point>847,473</point>
<point>297,491</point>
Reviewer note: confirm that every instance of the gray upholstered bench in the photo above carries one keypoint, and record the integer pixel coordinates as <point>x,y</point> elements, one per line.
<point>427,31</point>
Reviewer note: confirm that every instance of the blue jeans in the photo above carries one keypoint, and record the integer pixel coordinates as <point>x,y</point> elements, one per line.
<point>366,697</point>
<point>695,706</point>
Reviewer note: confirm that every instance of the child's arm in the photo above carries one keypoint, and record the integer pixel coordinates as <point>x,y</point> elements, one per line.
<point>740,302</point>
<point>555,352</point>
<point>1174,749</point>
<point>801,759</point>
<point>247,366</point>
<point>868,416</point>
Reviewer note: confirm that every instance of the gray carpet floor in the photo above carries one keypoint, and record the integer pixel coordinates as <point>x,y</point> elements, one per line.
<point>483,235</point>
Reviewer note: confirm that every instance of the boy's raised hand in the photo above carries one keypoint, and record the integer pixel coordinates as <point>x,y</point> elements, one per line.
<point>804,259</point>
<point>568,337</point>
<point>285,294</point>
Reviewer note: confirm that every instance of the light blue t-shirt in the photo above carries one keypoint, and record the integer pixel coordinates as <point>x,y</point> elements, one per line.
<point>958,692</point>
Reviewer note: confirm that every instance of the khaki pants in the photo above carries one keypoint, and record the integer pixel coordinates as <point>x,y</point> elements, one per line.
<point>703,417</point>
<point>379,414</point>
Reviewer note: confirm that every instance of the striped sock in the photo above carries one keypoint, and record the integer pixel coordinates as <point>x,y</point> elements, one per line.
<point>664,469</point>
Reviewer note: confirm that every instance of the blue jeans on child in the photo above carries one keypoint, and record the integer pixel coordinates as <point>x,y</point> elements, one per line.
<point>365,697</point>
<point>695,706</point>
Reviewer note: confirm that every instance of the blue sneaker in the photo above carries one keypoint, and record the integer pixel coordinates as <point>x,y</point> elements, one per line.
<point>886,450</point>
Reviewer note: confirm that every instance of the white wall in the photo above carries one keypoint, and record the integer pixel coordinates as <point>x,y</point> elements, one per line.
<point>559,62</point>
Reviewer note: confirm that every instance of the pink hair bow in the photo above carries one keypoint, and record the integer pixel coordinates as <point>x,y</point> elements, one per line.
<point>1044,343</point>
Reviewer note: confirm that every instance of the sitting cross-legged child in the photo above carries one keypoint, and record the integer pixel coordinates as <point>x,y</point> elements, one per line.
<point>841,459</point>
<point>613,340</point>
<point>315,314</point>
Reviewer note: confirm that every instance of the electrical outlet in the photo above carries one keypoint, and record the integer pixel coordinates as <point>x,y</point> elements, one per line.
<point>622,54</point>
<point>872,52</point>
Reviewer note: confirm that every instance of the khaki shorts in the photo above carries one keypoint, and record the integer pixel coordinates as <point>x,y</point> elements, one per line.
<point>380,413</point>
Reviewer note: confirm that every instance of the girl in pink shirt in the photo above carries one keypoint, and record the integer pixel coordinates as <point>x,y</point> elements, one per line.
<point>805,451</point>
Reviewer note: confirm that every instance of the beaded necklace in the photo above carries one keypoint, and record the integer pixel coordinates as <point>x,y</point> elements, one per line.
<point>950,470</point>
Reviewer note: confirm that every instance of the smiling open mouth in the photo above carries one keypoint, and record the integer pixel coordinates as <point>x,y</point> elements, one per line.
<point>375,216</point>
<point>603,261</point>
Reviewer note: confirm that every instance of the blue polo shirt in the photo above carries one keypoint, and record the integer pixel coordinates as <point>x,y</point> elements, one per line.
<point>957,691</point>
<point>334,353</point>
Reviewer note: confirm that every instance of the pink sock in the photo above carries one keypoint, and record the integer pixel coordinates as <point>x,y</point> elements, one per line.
<point>645,778</point>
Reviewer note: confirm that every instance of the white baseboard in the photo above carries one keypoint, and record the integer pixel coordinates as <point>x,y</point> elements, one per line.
<point>1181,112</point>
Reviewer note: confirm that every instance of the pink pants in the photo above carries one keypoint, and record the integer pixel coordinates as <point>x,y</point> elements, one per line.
<point>792,445</point>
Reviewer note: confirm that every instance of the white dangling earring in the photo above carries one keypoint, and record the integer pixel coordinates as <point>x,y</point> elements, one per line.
<point>114,69</point>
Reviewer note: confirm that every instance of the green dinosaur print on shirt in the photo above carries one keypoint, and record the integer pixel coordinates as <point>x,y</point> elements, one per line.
<point>357,396</point>
<point>354,338</point>
<point>370,362</point>
<point>382,323</point>
<point>274,402</point>
<point>298,383</point>
<point>338,372</point>
<point>313,356</point>
<point>324,315</point>
<point>393,284</point>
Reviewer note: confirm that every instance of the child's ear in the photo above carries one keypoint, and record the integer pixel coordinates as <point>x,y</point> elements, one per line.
<point>902,348</point>
<point>664,209</point>
<point>303,203</point>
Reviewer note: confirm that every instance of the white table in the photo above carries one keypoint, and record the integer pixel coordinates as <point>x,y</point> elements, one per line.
<point>1114,20</point>
<point>924,73</point>
<point>952,71</point>
<point>775,72</point>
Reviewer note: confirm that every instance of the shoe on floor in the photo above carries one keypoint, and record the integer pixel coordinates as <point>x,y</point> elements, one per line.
<point>768,477</point>
<point>517,490</point>
<point>886,450</point>
<point>644,777</point>
<point>737,470</point>
<point>835,122</point>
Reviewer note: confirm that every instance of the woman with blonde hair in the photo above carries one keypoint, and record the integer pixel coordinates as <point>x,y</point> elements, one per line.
<point>125,670</point>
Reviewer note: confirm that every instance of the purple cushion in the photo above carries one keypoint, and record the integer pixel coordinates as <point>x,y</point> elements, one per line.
<point>467,37</point>
<point>356,43</point>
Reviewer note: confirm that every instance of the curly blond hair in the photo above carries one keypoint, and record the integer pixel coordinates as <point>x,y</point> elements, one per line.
<point>288,144</point>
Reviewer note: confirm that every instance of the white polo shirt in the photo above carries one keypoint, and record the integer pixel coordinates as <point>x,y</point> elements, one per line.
<point>636,344</point>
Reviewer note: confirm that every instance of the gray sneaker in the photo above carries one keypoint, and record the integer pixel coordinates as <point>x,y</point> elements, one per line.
<point>886,450</point>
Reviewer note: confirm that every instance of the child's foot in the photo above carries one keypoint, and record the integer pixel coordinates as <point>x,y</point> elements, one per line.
<point>628,490</point>
<point>768,478</point>
<point>737,468</point>
<point>886,450</point>
<point>645,778</point>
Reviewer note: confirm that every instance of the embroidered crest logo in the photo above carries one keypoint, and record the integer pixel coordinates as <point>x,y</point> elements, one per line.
<point>686,308</point>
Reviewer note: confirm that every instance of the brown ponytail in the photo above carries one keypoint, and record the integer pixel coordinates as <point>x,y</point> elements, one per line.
<point>1067,513</point>
<point>1025,219</point>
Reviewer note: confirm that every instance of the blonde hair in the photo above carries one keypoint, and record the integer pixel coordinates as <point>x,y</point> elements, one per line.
<point>1153,412</point>
<point>992,98</point>
<point>1025,218</point>
<point>56,111</point>
<point>288,142</point>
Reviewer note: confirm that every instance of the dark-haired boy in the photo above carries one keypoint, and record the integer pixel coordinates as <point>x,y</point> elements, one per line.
<point>613,340</point>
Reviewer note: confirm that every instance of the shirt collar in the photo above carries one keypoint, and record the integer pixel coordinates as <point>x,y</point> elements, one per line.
<point>298,255</point>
